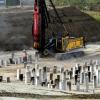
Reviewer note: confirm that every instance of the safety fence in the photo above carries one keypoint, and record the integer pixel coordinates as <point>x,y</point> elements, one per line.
<point>7,3</point>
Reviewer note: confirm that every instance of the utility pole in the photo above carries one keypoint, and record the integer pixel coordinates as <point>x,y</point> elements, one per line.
<point>21,3</point>
<point>69,2</point>
<point>5,3</point>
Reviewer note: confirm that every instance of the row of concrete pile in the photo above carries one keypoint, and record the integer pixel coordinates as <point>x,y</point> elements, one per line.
<point>84,78</point>
<point>14,58</point>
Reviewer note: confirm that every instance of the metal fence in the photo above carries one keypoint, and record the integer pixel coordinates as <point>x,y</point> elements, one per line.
<point>16,3</point>
<point>12,2</point>
<point>27,2</point>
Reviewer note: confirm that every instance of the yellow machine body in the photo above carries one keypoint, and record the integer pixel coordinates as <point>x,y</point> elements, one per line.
<point>66,43</point>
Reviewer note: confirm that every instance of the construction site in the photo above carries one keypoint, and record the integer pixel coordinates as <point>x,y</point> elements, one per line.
<point>49,52</point>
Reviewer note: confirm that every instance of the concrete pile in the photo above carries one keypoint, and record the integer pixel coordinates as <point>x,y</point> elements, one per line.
<point>82,78</point>
<point>17,59</point>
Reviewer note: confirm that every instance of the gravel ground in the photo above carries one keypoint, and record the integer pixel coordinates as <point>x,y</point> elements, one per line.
<point>13,98</point>
<point>22,88</point>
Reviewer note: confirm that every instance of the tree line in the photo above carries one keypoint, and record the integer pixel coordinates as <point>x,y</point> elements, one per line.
<point>82,4</point>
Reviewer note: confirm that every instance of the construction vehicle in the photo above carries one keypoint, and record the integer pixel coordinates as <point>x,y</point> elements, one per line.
<point>56,44</point>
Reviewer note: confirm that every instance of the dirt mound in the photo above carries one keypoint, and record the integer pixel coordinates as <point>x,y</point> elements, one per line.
<point>16,26</point>
<point>77,23</point>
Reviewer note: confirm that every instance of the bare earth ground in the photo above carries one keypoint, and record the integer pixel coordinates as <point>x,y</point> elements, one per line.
<point>16,26</point>
<point>13,98</point>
